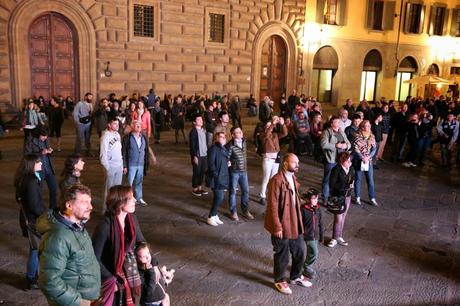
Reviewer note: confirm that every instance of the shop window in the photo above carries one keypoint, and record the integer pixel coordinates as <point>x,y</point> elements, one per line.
<point>439,16</point>
<point>380,15</point>
<point>414,17</point>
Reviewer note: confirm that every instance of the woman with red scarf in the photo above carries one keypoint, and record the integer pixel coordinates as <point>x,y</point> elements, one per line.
<point>114,241</point>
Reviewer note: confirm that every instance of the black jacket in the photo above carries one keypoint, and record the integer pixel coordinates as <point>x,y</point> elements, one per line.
<point>312,222</point>
<point>30,193</point>
<point>340,182</point>
<point>210,119</point>
<point>217,176</point>
<point>377,130</point>
<point>237,156</point>
<point>194,143</point>
<point>151,291</point>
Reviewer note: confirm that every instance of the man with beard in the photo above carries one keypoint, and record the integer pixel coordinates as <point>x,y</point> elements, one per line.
<point>69,270</point>
<point>82,117</point>
<point>283,220</point>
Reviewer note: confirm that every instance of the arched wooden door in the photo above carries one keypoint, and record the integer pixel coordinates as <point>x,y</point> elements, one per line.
<point>273,69</point>
<point>53,57</point>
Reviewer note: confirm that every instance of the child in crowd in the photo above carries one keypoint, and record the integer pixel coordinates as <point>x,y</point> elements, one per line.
<point>311,219</point>
<point>154,280</point>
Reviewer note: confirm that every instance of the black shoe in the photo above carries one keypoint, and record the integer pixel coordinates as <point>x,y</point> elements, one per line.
<point>32,285</point>
<point>263,201</point>
<point>376,167</point>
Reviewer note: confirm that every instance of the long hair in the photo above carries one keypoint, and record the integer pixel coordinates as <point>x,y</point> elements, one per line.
<point>69,164</point>
<point>117,197</point>
<point>25,168</point>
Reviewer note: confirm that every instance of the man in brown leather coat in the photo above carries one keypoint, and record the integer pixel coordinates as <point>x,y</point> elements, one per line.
<point>283,220</point>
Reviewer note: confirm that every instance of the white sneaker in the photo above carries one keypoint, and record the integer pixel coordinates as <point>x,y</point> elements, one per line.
<point>374,202</point>
<point>407,165</point>
<point>358,201</point>
<point>217,220</point>
<point>332,243</point>
<point>412,164</point>
<point>342,242</point>
<point>212,222</point>
<point>301,281</point>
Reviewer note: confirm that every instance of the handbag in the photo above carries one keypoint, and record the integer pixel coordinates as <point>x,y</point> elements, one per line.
<point>85,120</point>
<point>336,205</point>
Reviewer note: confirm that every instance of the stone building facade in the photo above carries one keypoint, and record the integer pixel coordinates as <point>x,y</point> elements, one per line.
<point>179,58</point>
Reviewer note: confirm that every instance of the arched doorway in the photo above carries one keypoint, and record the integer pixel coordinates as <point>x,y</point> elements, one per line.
<point>371,67</point>
<point>53,50</point>
<point>325,65</point>
<point>406,69</point>
<point>273,68</point>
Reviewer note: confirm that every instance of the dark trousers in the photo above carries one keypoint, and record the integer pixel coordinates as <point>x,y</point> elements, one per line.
<point>303,144</point>
<point>282,249</point>
<point>199,171</point>
<point>50,180</point>
<point>398,146</point>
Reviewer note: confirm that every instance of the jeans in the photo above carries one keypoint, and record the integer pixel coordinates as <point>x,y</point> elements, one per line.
<point>327,173</point>
<point>269,169</point>
<point>135,178</point>
<point>369,179</point>
<point>239,178</point>
<point>32,265</point>
<point>412,155</point>
<point>83,134</point>
<point>113,177</point>
<point>199,171</point>
<point>282,249</point>
<point>52,187</point>
<point>218,198</point>
<point>312,253</point>
<point>446,154</point>
<point>422,145</point>
<point>339,220</point>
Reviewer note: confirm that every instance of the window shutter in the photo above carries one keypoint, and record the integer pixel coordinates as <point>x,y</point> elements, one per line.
<point>453,24</point>
<point>320,11</point>
<point>422,19</point>
<point>370,13</point>
<point>342,12</point>
<point>389,15</point>
<point>432,20</point>
<point>446,22</point>
<point>407,18</point>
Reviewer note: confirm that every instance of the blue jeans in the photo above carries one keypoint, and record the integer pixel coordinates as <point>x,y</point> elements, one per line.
<point>369,179</point>
<point>32,265</point>
<point>52,187</point>
<point>423,144</point>
<point>135,178</point>
<point>216,201</point>
<point>239,178</point>
<point>83,134</point>
<point>327,173</point>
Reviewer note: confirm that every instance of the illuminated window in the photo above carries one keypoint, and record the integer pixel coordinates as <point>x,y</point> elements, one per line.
<point>322,84</point>
<point>331,12</point>
<point>216,28</point>
<point>403,90</point>
<point>438,20</point>
<point>143,20</point>
<point>413,22</point>
<point>368,82</point>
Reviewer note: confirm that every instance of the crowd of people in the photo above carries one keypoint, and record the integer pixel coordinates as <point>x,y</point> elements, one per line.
<point>349,144</point>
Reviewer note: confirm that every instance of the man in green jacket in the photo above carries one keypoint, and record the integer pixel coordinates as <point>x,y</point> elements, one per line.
<point>69,270</point>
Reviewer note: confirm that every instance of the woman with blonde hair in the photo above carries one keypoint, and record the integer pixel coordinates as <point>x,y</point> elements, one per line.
<point>365,147</point>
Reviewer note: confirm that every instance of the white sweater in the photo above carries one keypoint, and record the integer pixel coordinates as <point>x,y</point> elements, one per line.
<point>111,150</point>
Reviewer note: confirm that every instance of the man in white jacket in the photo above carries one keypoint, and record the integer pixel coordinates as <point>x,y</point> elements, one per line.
<point>111,157</point>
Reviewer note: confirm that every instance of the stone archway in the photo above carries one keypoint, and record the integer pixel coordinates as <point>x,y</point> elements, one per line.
<point>265,32</point>
<point>19,23</point>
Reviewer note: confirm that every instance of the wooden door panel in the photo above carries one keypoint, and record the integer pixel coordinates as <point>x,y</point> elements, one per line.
<point>273,70</point>
<point>53,69</point>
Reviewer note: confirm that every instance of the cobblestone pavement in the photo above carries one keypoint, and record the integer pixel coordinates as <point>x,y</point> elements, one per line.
<point>404,252</point>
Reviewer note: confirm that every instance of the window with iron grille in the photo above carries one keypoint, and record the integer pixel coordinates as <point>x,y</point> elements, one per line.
<point>216,28</point>
<point>330,14</point>
<point>143,20</point>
